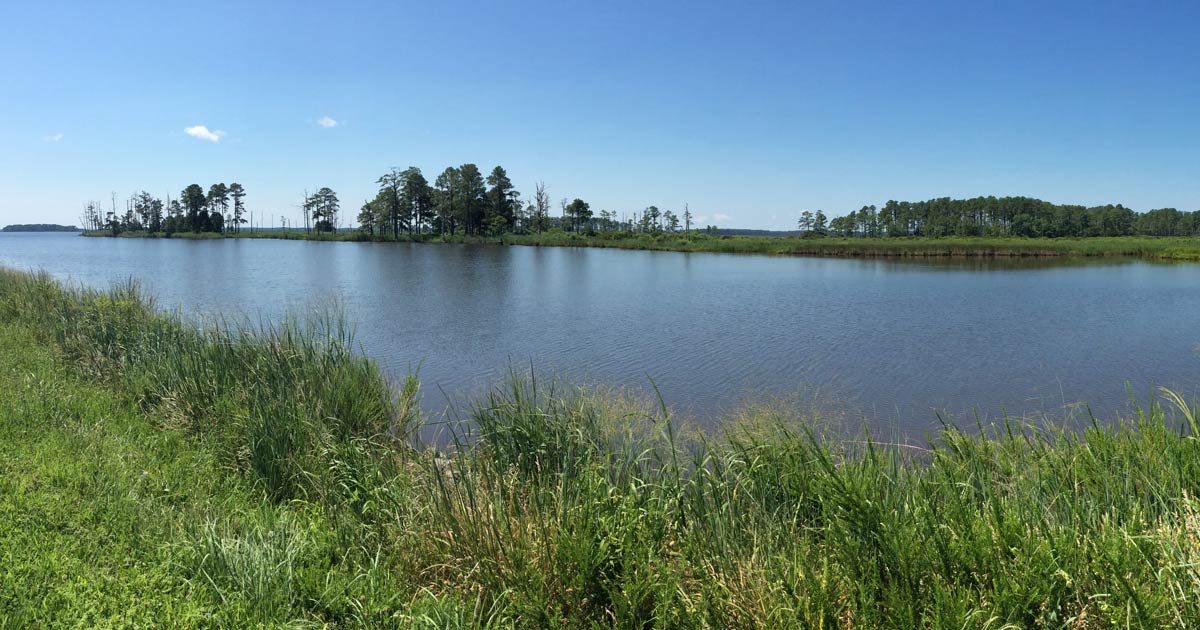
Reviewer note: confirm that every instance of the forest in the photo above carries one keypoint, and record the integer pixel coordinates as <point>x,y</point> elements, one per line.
<point>462,201</point>
<point>1006,216</point>
<point>39,227</point>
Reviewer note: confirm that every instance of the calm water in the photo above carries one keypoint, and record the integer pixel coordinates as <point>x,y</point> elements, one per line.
<point>891,341</point>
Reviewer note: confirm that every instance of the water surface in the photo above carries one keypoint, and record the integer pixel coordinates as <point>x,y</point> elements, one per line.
<point>891,341</point>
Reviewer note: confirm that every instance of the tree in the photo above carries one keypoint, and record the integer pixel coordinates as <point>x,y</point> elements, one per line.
<point>324,210</point>
<point>112,222</point>
<point>239,207</point>
<point>149,211</point>
<point>446,200</point>
<point>366,218</point>
<point>192,199</point>
<point>687,220</point>
<point>671,221</point>
<point>540,208</point>
<point>307,208</point>
<point>608,220</point>
<point>473,198</point>
<point>650,219</point>
<point>174,221</point>
<point>868,221</point>
<point>391,189</point>
<point>806,221</point>
<point>522,209</point>
<point>91,216</point>
<point>497,225</point>
<point>820,223</point>
<point>416,199</point>
<point>129,222</point>
<point>579,212</point>
<point>502,198</point>
<point>218,203</point>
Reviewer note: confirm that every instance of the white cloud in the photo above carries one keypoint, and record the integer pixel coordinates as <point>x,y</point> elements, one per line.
<point>201,132</point>
<point>54,138</point>
<point>721,217</point>
<point>327,122</point>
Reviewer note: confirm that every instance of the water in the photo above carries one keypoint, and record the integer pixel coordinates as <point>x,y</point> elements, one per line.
<point>889,341</point>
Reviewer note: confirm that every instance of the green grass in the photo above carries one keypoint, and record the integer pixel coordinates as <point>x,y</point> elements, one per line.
<point>911,247</point>
<point>1151,248</point>
<point>158,474</point>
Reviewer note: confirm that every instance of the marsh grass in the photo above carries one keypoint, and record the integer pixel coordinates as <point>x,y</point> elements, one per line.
<point>1178,249</point>
<point>555,505</point>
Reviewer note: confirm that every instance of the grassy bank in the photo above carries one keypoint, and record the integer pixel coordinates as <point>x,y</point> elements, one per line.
<point>1172,249</point>
<point>913,247</point>
<point>163,475</point>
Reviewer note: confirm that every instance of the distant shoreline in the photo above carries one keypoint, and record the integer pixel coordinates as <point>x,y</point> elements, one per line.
<point>39,227</point>
<point>1141,247</point>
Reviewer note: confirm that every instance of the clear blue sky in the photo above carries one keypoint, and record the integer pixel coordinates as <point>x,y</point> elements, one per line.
<point>750,112</point>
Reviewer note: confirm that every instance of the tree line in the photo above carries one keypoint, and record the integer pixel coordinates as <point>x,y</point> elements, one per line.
<point>221,209</point>
<point>462,201</point>
<point>38,227</point>
<point>1001,216</point>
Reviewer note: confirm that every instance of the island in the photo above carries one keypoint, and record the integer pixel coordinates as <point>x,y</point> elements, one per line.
<point>39,227</point>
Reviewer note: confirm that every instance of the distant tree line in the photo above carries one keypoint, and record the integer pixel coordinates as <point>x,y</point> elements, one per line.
<point>462,201</point>
<point>1001,216</point>
<point>39,227</point>
<point>221,209</point>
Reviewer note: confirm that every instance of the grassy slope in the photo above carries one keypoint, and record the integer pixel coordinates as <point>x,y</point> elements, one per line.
<point>108,520</point>
<point>1178,248</point>
<point>89,491</point>
<point>274,494</point>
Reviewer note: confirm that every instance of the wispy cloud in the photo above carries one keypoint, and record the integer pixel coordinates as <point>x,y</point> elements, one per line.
<point>53,138</point>
<point>201,132</point>
<point>721,217</point>
<point>327,122</point>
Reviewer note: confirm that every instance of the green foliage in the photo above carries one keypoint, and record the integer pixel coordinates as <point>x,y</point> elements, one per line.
<point>279,402</point>
<point>157,474</point>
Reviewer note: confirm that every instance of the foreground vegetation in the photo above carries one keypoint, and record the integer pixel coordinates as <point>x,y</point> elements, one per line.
<point>159,474</point>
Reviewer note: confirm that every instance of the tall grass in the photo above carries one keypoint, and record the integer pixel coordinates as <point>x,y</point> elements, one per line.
<point>778,526</point>
<point>561,506</point>
<point>290,404</point>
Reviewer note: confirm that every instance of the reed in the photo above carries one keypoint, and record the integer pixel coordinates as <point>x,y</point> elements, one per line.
<point>290,487</point>
<point>282,402</point>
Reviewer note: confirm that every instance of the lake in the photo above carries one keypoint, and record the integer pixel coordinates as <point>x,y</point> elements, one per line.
<point>892,342</point>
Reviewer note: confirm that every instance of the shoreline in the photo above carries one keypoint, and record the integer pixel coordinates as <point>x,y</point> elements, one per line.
<point>243,477</point>
<point>1178,249</point>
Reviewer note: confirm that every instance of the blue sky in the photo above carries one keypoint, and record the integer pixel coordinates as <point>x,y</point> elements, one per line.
<point>749,112</point>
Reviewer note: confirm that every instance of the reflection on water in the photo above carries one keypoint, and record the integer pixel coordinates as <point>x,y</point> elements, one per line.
<point>893,340</point>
